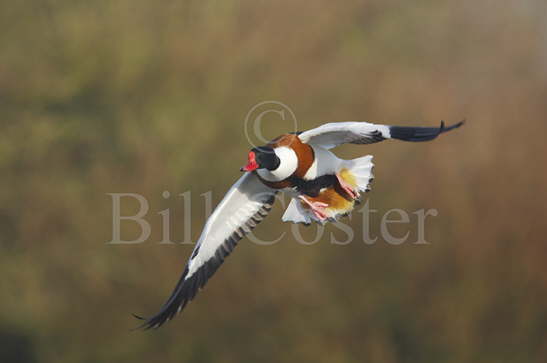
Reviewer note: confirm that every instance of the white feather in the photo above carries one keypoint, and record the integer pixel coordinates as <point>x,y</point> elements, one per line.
<point>337,133</point>
<point>324,163</point>
<point>287,165</point>
<point>242,201</point>
<point>296,213</point>
<point>361,169</point>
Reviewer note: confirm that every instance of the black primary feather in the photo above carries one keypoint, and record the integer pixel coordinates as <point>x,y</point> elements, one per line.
<point>417,134</point>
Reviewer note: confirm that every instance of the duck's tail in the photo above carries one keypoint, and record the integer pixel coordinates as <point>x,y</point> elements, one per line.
<point>358,173</point>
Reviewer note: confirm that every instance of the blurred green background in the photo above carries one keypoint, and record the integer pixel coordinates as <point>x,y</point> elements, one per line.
<point>140,96</point>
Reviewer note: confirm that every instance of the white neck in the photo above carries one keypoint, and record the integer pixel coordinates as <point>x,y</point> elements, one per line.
<point>288,163</point>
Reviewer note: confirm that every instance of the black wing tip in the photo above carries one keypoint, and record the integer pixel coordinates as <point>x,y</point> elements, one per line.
<point>418,134</point>
<point>184,292</point>
<point>146,325</point>
<point>168,312</point>
<point>143,326</point>
<point>452,127</point>
<point>150,323</point>
<point>138,317</point>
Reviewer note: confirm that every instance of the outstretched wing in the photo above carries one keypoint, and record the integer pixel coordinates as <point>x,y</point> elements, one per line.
<point>337,133</point>
<point>245,205</point>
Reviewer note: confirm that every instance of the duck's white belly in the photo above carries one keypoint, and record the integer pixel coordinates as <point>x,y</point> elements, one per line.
<point>325,163</point>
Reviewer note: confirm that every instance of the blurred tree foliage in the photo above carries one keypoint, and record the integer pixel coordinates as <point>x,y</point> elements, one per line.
<point>140,96</point>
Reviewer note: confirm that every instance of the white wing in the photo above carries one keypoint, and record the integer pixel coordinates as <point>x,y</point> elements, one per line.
<point>337,133</point>
<point>245,205</point>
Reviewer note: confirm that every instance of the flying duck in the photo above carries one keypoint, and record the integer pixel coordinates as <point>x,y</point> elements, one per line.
<point>322,187</point>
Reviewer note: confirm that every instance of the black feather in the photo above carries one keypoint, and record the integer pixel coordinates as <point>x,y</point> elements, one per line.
<point>417,134</point>
<point>313,187</point>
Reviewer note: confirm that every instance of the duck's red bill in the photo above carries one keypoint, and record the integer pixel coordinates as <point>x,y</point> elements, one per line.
<point>251,164</point>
